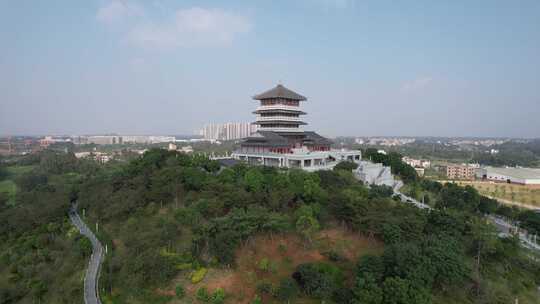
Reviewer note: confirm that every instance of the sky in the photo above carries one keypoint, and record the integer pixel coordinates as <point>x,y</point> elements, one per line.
<point>368,68</point>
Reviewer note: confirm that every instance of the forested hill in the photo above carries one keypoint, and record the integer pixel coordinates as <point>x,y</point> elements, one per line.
<point>182,229</point>
<point>42,257</point>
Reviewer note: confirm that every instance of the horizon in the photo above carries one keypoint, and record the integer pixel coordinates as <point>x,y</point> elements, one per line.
<point>418,69</point>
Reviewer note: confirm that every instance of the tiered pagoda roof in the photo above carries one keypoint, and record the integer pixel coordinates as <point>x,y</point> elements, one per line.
<point>280,92</point>
<point>278,117</point>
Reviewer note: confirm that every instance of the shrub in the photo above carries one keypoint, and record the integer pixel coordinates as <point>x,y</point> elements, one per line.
<point>264,287</point>
<point>183,266</point>
<point>287,289</point>
<point>264,264</point>
<point>180,292</point>
<point>282,248</point>
<point>218,297</point>
<point>319,280</point>
<point>346,165</point>
<point>202,295</point>
<point>198,275</point>
<point>256,300</point>
<point>334,256</point>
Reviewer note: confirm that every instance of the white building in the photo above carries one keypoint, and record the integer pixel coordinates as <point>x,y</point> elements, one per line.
<point>147,139</point>
<point>524,176</point>
<point>416,163</point>
<point>374,174</point>
<point>104,139</point>
<point>300,158</point>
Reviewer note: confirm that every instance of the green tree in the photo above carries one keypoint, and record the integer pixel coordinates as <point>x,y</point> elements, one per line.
<point>307,226</point>
<point>3,172</point>
<point>179,291</point>
<point>287,290</point>
<point>346,165</point>
<point>202,295</point>
<point>367,291</point>
<point>318,280</point>
<point>395,291</point>
<point>254,180</point>
<point>218,297</point>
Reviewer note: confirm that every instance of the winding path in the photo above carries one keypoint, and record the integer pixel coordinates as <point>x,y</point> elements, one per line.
<point>91,292</point>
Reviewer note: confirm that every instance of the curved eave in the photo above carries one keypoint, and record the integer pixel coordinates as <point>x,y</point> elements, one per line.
<point>265,144</point>
<point>280,92</point>
<point>279,111</point>
<point>258,98</point>
<point>285,122</point>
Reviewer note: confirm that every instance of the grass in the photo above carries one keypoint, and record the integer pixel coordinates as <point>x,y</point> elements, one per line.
<point>8,187</point>
<point>281,254</point>
<point>18,170</point>
<point>525,194</point>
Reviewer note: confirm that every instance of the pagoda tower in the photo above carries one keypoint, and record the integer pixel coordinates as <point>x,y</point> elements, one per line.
<point>279,111</point>
<point>281,142</point>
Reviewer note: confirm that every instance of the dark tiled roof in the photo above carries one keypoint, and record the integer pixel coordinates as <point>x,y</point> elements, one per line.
<point>314,138</point>
<point>279,92</point>
<point>273,139</point>
<point>266,138</point>
<point>279,111</point>
<point>266,122</point>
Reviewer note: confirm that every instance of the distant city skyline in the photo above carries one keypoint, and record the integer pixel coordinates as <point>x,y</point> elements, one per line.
<point>415,68</point>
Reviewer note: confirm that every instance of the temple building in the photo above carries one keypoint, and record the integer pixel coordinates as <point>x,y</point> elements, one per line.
<point>281,140</point>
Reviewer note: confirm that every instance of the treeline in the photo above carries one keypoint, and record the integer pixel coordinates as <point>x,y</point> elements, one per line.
<point>513,153</point>
<point>467,198</point>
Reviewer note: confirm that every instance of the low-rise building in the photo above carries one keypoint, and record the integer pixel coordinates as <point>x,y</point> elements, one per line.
<point>463,171</point>
<point>374,174</point>
<point>524,176</point>
<point>416,163</point>
<point>187,149</point>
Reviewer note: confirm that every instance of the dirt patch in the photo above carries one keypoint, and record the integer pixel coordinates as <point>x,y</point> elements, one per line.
<point>281,254</point>
<point>214,279</point>
<point>347,243</point>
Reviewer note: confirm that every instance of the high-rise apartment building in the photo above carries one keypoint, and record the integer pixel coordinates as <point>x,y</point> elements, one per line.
<point>228,131</point>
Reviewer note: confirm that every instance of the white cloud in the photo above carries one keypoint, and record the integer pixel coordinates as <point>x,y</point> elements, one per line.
<point>191,28</point>
<point>118,11</point>
<point>417,84</point>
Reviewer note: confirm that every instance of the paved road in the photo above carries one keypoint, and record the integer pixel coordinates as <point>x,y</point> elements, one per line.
<point>410,200</point>
<point>91,292</point>
<point>501,225</point>
<point>507,229</point>
<point>407,199</point>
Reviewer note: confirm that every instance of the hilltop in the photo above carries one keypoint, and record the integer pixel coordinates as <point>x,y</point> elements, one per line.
<point>182,229</point>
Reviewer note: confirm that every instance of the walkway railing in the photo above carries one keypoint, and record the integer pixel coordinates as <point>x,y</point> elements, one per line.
<point>91,278</point>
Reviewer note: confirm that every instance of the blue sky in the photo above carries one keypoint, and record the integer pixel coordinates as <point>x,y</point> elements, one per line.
<point>440,68</point>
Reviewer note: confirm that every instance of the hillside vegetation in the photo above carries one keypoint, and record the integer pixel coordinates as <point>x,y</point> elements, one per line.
<point>42,257</point>
<point>182,229</point>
